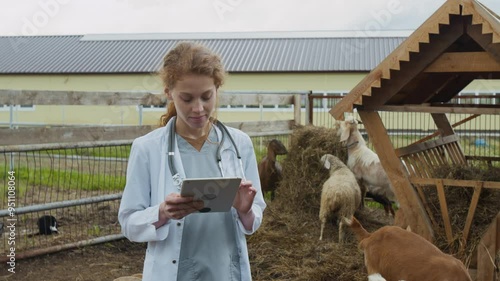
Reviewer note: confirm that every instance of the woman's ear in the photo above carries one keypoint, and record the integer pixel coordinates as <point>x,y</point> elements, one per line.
<point>167,93</point>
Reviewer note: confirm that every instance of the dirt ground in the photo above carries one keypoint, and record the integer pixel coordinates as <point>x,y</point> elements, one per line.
<point>104,262</point>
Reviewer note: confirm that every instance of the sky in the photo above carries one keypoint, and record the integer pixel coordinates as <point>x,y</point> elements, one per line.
<point>71,17</point>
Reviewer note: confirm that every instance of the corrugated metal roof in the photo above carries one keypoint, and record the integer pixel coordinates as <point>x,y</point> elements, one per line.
<point>98,54</point>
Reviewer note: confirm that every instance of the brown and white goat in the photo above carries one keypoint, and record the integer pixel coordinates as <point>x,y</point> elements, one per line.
<point>270,170</point>
<point>397,254</point>
<point>366,166</point>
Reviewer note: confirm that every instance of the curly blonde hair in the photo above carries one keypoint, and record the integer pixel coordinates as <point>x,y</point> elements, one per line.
<point>189,58</point>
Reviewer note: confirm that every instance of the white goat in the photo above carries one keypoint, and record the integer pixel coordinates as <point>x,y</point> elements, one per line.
<point>340,194</point>
<point>365,164</point>
<point>392,253</point>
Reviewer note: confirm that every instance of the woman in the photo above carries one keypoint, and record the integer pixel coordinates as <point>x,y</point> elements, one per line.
<point>184,244</point>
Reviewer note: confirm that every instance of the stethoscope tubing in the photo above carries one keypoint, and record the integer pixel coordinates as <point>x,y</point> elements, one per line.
<point>171,152</point>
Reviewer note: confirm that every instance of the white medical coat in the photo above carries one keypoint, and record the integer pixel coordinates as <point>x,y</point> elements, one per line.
<point>149,181</point>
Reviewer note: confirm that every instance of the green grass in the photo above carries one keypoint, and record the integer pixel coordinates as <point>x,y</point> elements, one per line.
<point>113,151</point>
<point>66,179</point>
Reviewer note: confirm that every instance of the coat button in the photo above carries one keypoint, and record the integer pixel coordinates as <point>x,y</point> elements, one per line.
<point>174,261</point>
<point>178,224</point>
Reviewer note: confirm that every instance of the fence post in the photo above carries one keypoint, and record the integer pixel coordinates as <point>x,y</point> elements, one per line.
<point>309,108</point>
<point>297,107</point>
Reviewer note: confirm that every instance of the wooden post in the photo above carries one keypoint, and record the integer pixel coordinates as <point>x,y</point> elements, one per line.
<point>413,211</point>
<point>444,210</point>
<point>297,104</point>
<point>487,250</point>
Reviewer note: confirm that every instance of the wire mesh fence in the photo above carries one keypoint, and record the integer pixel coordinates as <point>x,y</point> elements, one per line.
<point>479,134</point>
<point>80,186</point>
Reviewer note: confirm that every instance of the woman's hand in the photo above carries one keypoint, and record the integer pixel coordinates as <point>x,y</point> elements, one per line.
<point>244,198</point>
<point>177,207</point>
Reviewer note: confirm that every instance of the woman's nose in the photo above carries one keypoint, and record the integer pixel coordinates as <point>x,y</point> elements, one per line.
<point>198,106</point>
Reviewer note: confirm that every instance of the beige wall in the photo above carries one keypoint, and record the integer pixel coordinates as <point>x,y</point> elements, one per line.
<point>341,82</point>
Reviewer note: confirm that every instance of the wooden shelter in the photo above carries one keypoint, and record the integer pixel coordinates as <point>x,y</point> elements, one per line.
<point>459,43</point>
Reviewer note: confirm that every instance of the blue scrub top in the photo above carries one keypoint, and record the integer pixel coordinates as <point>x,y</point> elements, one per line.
<point>208,249</point>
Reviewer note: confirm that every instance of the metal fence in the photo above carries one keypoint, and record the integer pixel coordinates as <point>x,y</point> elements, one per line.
<point>479,134</point>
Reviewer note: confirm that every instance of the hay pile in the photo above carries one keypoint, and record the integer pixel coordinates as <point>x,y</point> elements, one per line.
<point>458,200</point>
<point>287,245</point>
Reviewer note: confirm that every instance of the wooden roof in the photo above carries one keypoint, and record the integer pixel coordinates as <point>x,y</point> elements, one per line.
<point>459,43</point>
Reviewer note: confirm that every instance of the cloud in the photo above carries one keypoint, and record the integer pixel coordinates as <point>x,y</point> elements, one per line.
<point>38,17</point>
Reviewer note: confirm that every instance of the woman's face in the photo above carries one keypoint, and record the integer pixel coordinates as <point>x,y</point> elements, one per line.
<point>194,97</point>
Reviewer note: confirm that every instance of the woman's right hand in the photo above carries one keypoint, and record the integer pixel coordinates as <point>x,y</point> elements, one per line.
<point>177,207</point>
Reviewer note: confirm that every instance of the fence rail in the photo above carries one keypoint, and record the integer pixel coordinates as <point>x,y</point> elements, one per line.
<point>77,173</point>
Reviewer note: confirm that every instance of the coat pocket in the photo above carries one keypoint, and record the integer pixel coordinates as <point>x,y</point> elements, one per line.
<point>187,270</point>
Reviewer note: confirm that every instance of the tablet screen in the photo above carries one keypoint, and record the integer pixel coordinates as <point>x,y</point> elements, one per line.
<point>217,193</point>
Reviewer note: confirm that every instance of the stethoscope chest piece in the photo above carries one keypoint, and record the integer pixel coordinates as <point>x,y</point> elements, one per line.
<point>177,180</point>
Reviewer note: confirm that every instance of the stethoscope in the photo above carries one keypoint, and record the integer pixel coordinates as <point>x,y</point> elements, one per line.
<point>171,152</point>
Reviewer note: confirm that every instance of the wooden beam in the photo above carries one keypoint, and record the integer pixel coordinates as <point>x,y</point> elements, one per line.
<point>487,250</point>
<point>459,183</point>
<point>443,124</point>
<point>418,147</point>
<point>465,120</point>
<point>484,40</point>
<point>267,127</point>
<point>411,206</point>
<point>418,61</point>
<point>71,134</point>
<point>28,97</point>
<point>107,133</point>
<point>459,108</point>
<point>36,97</point>
<point>464,62</point>
<point>472,210</point>
<point>444,211</point>
<point>356,94</point>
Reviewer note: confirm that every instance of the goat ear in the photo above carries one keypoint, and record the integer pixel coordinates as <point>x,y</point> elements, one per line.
<point>327,164</point>
<point>345,133</point>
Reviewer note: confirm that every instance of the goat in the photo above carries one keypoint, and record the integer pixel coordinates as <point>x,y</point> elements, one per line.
<point>397,254</point>
<point>270,171</point>
<point>340,194</point>
<point>366,166</point>
<point>47,225</point>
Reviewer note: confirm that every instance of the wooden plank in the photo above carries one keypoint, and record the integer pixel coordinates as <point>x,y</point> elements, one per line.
<point>413,211</point>
<point>464,62</point>
<point>417,147</point>
<point>486,252</point>
<point>449,34</point>
<point>71,134</point>
<point>105,133</point>
<point>262,126</point>
<point>443,124</point>
<point>459,183</point>
<point>28,97</point>
<point>465,120</point>
<point>470,215</point>
<point>487,17</point>
<point>444,211</point>
<point>346,104</point>
<point>392,61</point>
<point>37,97</point>
<point>426,206</point>
<point>255,99</point>
<point>467,109</point>
<point>484,40</point>
<point>297,108</point>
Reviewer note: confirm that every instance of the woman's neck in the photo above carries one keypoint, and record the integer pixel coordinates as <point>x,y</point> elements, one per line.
<point>192,133</point>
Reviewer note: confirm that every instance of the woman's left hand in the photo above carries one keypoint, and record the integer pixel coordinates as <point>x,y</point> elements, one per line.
<point>244,198</point>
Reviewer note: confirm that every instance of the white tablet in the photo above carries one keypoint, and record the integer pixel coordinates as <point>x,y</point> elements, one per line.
<point>217,193</point>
